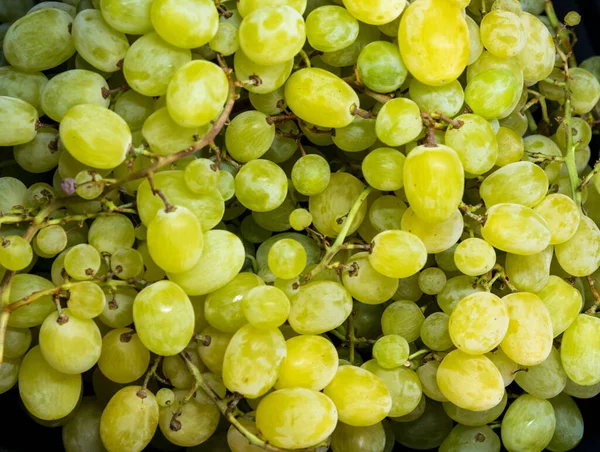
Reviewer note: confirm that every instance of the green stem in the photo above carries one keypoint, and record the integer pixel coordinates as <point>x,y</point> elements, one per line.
<point>351,339</point>
<point>418,353</point>
<point>4,317</point>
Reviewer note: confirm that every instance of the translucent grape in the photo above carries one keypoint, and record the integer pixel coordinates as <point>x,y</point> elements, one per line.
<point>538,144</point>
<point>20,119</point>
<point>518,183</point>
<point>432,280</point>
<point>111,233</point>
<point>176,370</point>
<point>187,24</point>
<point>380,67</point>
<point>436,237</point>
<point>311,174</point>
<point>403,318</point>
<point>16,342</point>
<point>389,244</point>
<point>563,302</point>
<point>492,93</point>
<point>398,122</point>
<point>391,351</point>
<point>528,424</point>
<point>165,397</point>
<point>261,185</point>
<point>348,56</point>
<point>86,300</point>
<point>357,136</point>
<point>32,314</point>
<point>38,155</point>
<point>529,273</point>
<point>475,418</point>
<point>366,284</point>
<point>474,142</point>
<point>22,85</point>
<point>579,256</point>
<point>118,310</point>
<point>266,307</point>
<point>579,350</point>
<point>510,147</point>
<point>272,77</point>
<point>225,184</point>
<point>545,380</point>
<point>346,438</point>
<point>434,332</point>
<point>386,213</point>
<point>475,44</point>
<point>471,438</point>
<point>15,253</point>
<point>82,261</point>
<point>569,424</point>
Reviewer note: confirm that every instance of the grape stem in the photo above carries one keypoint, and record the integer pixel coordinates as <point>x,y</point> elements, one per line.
<point>156,191</point>
<point>106,93</point>
<point>203,339</point>
<point>356,111</point>
<point>416,355</point>
<point>469,211</point>
<point>152,371</point>
<point>280,118</point>
<point>351,338</point>
<point>539,157</point>
<point>587,179</point>
<point>592,310</point>
<point>561,33</point>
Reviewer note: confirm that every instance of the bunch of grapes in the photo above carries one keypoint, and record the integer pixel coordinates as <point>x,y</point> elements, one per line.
<point>299,224</point>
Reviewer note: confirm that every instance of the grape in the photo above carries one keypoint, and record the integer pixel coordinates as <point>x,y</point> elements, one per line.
<point>585,90</point>
<point>245,7</point>
<point>543,145</point>
<point>236,442</point>
<point>315,416</point>
<point>386,213</point>
<point>272,77</point>
<point>86,300</point>
<point>277,219</point>
<point>89,185</point>
<point>311,174</point>
<point>124,358</point>
<point>82,431</point>
<point>225,185</point>
<point>389,244</point>
<point>579,350</point>
<point>432,280</point>
<point>47,36</point>
<point>15,253</point>
<point>127,263</point>
<point>563,301</point>
<point>475,418</point>
<point>578,256</point>
<point>529,273</point>
<point>475,44</point>
<point>528,424</point>
<point>528,340</point>
<point>32,314</point>
<point>364,283</point>
<point>38,155</point>
<point>436,237</point>
<point>9,373</point>
<point>165,136</point>
<point>519,183</point>
<point>502,33</point>
<point>134,108</point>
<point>14,192</point>
<point>266,307</point>
<point>165,397</point>
<point>428,376</point>
<point>419,37</point>
<point>16,342</point>
<point>226,41</point>
<point>111,233</point>
<point>510,147</point>
<point>474,142</point>
<point>176,370</point>
<point>538,55</point>
<point>249,136</point>
<point>212,355</point>
<point>22,85</point>
<point>196,94</point>
<point>391,351</point>
<point>186,24</point>
<point>331,28</point>
<point>261,185</point>
<point>126,16</point>
<point>403,318</point>
<point>471,438</point>
<point>382,169</point>
<point>329,102</point>
<point>492,93</point>
<point>569,424</point>
<point>380,67</point>
<point>398,122</point>
<point>130,419</point>
<point>20,119</point>
<point>347,438</point>
<point>545,380</point>
<point>46,392</point>
<point>348,56</point>
<point>434,332</point>
<point>427,431</point>
<point>471,382</point>
<point>51,240</point>
<point>267,103</point>
<point>474,257</point>
<point>357,136</point>
<point>300,219</point>
<point>82,262</point>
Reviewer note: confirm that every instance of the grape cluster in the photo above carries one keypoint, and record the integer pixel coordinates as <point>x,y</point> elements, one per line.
<point>299,224</point>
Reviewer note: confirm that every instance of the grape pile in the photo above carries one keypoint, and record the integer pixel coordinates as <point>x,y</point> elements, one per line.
<point>299,224</point>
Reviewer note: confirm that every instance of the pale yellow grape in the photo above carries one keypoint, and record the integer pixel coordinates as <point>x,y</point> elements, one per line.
<point>82,261</point>
<point>510,147</point>
<point>366,284</point>
<point>238,442</point>
<point>86,300</point>
<point>252,360</point>
<point>357,136</point>
<point>528,340</point>
<point>127,16</point>
<point>47,393</point>
<point>474,257</point>
<point>538,56</point>
<point>502,33</point>
<point>266,307</point>
<point>580,350</point>
<point>271,77</point>
<point>471,382</point>
<point>27,86</point>
<point>563,301</point>
<point>226,41</point>
<point>545,380</point>
<point>420,36</point>
<point>475,418</point>
<point>474,142</point>
<point>245,7</point>
<point>427,374</point>
<point>432,280</point>
<point>249,136</point>
<point>330,28</point>
<point>475,44</point>
<point>391,351</point>
<point>386,213</point>
<point>124,358</point>
<point>376,12</point>
<point>347,438</point>
<point>436,237</point>
<point>296,418</point>
<point>222,259</point>
<point>39,41</point>
<point>361,398</point>
<point>212,355</point>
<point>151,76</point>
<point>516,229</point>
<point>518,183</point>
<point>507,367</point>
<point>129,420</point>
<point>32,314</point>
<point>403,318</point>
<point>165,136</point>
<point>447,99</point>
<point>19,118</point>
<point>529,273</point>
<point>329,101</point>
<point>16,342</point>
<point>382,169</point>
<point>433,182</point>
<point>580,255</point>
<point>15,253</point>
<point>528,424</point>
<point>300,219</point>
<point>164,318</point>
<point>201,175</point>
<point>398,122</point>
<point>261,185</point>
<point>187,24</point>
<point>197,93</point>
<point>388,245</point>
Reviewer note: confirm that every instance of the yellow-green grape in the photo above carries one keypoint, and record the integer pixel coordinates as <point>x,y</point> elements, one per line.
<point>118,310</point>
<point>388,245</point>
<point>46,33</point>
<point>272,34</point>
<point>261,185</point>
<point>377,12</point>
<point>579,256</point>
<point>380,67</point>
<point>188,24</point>
<point>475,418</point>
<point>82,261</point>
<point>127,263</point>
<point>222,258</point>
<point>447,99</point>
<point>330,28</point>
<point>38,195</point>
<point>390,28</point>
<point>427,374</point>
<point>165,136</point>
<point>518,183</point>
<point>563,301</point>
<point>266,307</point>
<point>38,155</point>
<point>433,182</point>
<point>347,438</point>
<point>538,56</point>
<point>510,147</point>
<point>432,280</point>
<point>300,219</point>
<point>131,17</point>
<point>581,391</point>
<point>314,415</point>
<point>436,237</point>
<point>391,351</point>
<point>386,213</point>
<point>14,193</point>
<point>425,429</point>
<point>528,424</point>
<point>9,373</point>
<point>111,233</point>
<point>20,119</point>
<point>212,355</point>
<point>33,314</point>
<point>311,174</point>
<point>539,144</point>
<point>124,358</point>
<point>507,367</point>
<point>252,231</point>
<point>329,102</point>
<point>238,442</point>
<point>226,41</point>
<point>249,136</point>
<point>82,430</point>
<point>196,93</point>
<point>579,350</point>
<point>545,380</point>
<point>434,332</point>
<point>474,257</point>
<point>130,419</point>
<point>134,108</point>
<point>348,56</point>
<point>272,77</point>
<point>569,424</point>
<point>492,93</point>
<point>471,382</point>
<point>585,91</point>
<point>529,273</point>
<point>164,318</point>
<point>175,369</point>
<point>383,169</point>
<point>86,300</point>
<point>516,229</point>
<point>581,133</point>
<point>474,438</point>
<point>502,33</point>
<point>398,122</point>
<point>361,398</point>
<point>403,318</point>
<point>419,37</point>
<point>357,136</point>
<point>89,185</point>
<point>201,175</point>
<point>252,360</point>
<point>15,253</point>
<point>225,184</point>
<point>474,142</point>
<point>23,85</point>
<point>245,7</point>
<point>475,44</point>
<point>516,121</point>
<point>47,393</point>
<point>277,219</point>
<point>445,259</point>
<point>16,342</point>
<point>165,397</point>
<point>364,283</point>
<point>319,306</point>
<point>528,340</point>
<point>270,103</point>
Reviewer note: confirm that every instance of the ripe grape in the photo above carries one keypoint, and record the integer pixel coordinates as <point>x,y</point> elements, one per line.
<point>563,302</point>
<point>427,431</point>
<point>569,423</point>
<point>391,351</point>
<point>124,358</point>
<point>347,438</point>
<point>187,24</point>
<point>331,28</point>
<point>475,418</point>
<point>545,380</point>
<point>398,122</point>
<point>389,244</point>
<point>528,424</point>
<point>249,136</point>
<point>475,438</point>
<point>83,429</point>
<point>579,351</point>
<point>266,307</point>
<point>261,185</point>
<point>529,273</point>
<point>20,118</point>
<point>403,318</point>
<point>364,283</point>
<point>380,67</point>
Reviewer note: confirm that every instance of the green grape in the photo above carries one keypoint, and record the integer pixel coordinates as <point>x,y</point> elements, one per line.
<point>89,185</point>
<point>124,358</point>
<point>347,438</point>
<point>134,108</point>
<point>545,380</point>
<point>528,340</point>
<point>364,283</point>
<point>270,103</point>
<point>434,332</point>
<point>390,28</point>
<point>383,169</point>
<point>471,382</point>
<point>538,56</point>
<point>578,256</point>
<point>517,122</point>
<point>272,77</point>
<point>436,237</point>
<point>356,136</point>
<point>14,192</point>
<point>538,144</point>
<point>118,310</point>
<point>380,67</point>
<point>16,342</point>
<point>569,424</point>
<point>32,314</point>
<point>9,373</point>
<point>398,122</point>
<point>46,33</point>
<point>272,34</point>
<point>319,306</point>
<point>329,103</point>
<point>348,56</point>
<point>331,28</point>
<point>427,374</point>
<point>69,167</point>
<point>579,350</point>
<point>165,397</point>
<point>585,91</point>
<point>249,136</point>
<point>475,418</point>
<point>502,33</point>
<point>432,280</point>
<point>276,220</point>
<point>266,307</point>
<point>38,155</point>
<point>236,442</point>
<point>152,271</point>
<point>300,219</point>
<point>165,136</point>
<point>391,351</point>
<point>445,259</point>
<point>563,301</point>
<point>245,7</point>
<point>176,370</point>
<point>130,419</point>
<point>510,147</point>
<point>51,239</point>
<point>226,41</point>
<point>581,391</point>
<point>86,300</point>
<point>20,119</point>
<point>443,185</point>
<point>387,245</point>
<point>82,431</point>
<point>111,233</point>
<point>261,185</point>
<point>528,424</point>
<point>311,174</point>
<point>127,263</point>
<point>23,85</point>
<point>519,183</point>
<point>188,24</point>
<point>11,10</point>
<point>47,393</point>
<point>15,253</point>
<point>474,257</point>
<point>225,184</point>
<point>475,44</point>
<point>38,195</point>
<point>82,262</point>
<point>581,134</point>
<point>222,258</point>
<point>529,273</point>
<point>252,231</point>
<point>403,318</point>
<point>507,367</point>
<point>427,431</point>
<point>386,213</point>
<point>492,93</point>
<point>471,438</point>
<point>447,99</point>
<point>474,142</point>
<point>378,12</point>
<point>213,355</point>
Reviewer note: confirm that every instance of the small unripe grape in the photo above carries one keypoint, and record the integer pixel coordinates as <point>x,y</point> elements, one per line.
<point>89,185</point>
<point>432,280</point>
<point>391,351</point>
<point>573,18</point>
<point>300,219</point>
<point>165,397</point>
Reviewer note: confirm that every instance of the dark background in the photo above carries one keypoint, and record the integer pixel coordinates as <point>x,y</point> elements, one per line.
<point>18,433</point>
